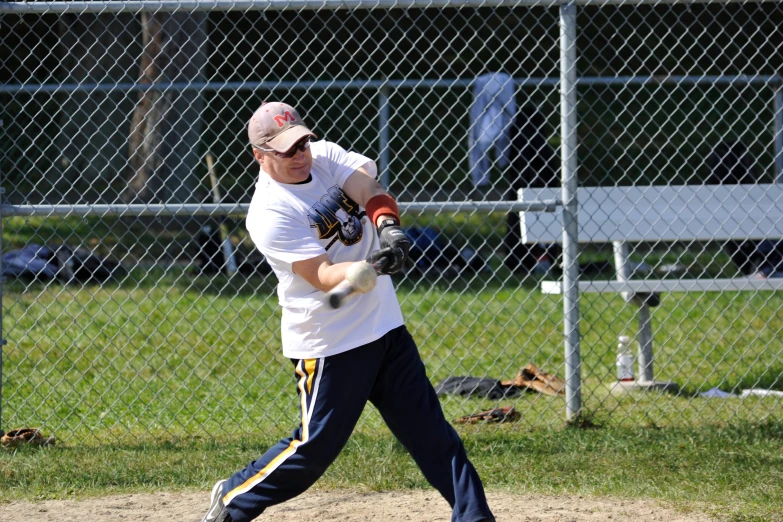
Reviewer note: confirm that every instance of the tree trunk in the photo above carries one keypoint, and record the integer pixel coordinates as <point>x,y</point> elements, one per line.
<point>165,131</point>
<point>146,132</point>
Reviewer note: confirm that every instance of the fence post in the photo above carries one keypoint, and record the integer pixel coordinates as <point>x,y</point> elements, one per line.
<point>2,281</point>
<point>778,130</point>
<point>568,120</point>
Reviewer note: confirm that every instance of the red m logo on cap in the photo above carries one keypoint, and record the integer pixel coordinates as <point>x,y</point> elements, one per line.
<point>287,116</point>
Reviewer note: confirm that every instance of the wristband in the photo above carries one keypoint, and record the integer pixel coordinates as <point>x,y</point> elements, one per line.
<point>382,204</point>
<point>388,222</point>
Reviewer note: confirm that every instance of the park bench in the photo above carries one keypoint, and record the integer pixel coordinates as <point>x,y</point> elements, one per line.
<point>623,215</point>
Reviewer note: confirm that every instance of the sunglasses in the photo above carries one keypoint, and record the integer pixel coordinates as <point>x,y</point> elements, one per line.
<point>299,146</point>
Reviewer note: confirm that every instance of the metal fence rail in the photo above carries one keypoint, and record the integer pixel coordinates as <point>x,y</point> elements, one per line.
<point>385,86</point>
<point>240,209</point>
<point>166,6</point>
<point>153,314</point>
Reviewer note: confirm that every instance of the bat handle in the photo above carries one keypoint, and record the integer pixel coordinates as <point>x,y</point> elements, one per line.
<point>380,264</point>
<point>339,293</point>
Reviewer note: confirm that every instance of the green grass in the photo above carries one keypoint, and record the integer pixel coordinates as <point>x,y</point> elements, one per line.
<point>167,353</point>
<point>167,379</point>
<point>733,472</point>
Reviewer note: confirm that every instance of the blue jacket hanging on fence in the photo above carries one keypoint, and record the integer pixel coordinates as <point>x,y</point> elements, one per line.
<point>491,116</point>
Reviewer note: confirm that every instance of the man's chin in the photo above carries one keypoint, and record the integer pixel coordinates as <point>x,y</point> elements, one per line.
<point>299,175</point>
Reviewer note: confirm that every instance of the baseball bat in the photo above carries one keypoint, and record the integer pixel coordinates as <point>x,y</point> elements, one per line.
<point>337,295</point>
<point>225,240</point>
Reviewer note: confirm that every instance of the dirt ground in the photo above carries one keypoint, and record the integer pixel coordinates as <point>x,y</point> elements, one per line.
<point>408,506</point>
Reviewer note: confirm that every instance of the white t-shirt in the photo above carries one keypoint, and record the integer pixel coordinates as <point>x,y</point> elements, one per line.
<point>295,222</point>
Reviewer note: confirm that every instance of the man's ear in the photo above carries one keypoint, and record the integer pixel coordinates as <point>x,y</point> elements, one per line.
<point>258,155</point>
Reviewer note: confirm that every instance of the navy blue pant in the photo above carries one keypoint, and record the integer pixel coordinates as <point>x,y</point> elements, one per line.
<point>332,394</point>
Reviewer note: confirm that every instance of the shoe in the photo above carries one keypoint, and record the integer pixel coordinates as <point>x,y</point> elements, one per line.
<point>217,511</point>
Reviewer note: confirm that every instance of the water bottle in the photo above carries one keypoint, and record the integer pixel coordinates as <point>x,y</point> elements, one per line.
<point>624,359</point>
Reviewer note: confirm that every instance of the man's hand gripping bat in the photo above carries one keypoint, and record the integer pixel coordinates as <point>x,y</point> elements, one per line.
<point>359,279</point>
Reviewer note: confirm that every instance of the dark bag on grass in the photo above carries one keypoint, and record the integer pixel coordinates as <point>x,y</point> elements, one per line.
<point>31,262</point>
<point>432,253</point>
<point>45,263</point>
<point>211,259</point>
<point>85,266</point>
<point>474,387</point>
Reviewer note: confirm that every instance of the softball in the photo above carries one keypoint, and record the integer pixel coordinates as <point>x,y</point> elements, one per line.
<point>362,276</point>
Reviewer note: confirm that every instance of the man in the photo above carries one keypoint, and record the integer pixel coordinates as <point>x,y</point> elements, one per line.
<point>361,351</point>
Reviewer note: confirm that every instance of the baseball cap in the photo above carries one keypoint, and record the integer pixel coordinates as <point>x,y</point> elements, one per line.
<point>276,125</point>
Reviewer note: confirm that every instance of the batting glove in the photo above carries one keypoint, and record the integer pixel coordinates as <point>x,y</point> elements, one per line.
<point>391,260</point>
<point>392,237</point>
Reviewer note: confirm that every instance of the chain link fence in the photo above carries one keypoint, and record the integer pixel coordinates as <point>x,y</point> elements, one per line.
<point>134,304</point>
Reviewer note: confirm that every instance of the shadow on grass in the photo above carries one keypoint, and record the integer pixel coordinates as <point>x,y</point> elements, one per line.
<point>587,427</point>
<point>586,420</point>
<point>769,378</point>
<point>763,378</point>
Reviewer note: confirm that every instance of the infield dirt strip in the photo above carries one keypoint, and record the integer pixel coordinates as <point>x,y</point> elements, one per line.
<point>345,506</point>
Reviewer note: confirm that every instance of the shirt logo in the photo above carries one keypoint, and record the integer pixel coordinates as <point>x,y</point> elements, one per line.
<point>337,216</point>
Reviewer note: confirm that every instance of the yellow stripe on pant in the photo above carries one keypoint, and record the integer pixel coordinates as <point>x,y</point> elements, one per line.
<point>306,370</point>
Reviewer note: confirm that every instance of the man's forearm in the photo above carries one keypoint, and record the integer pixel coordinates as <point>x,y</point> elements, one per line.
<point>330,275</point>
<point>320,272</point>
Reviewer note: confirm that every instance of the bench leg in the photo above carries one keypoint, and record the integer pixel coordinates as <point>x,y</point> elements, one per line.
<point>645,344</point>
<point>621,265</point>
<point>645,357</point>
